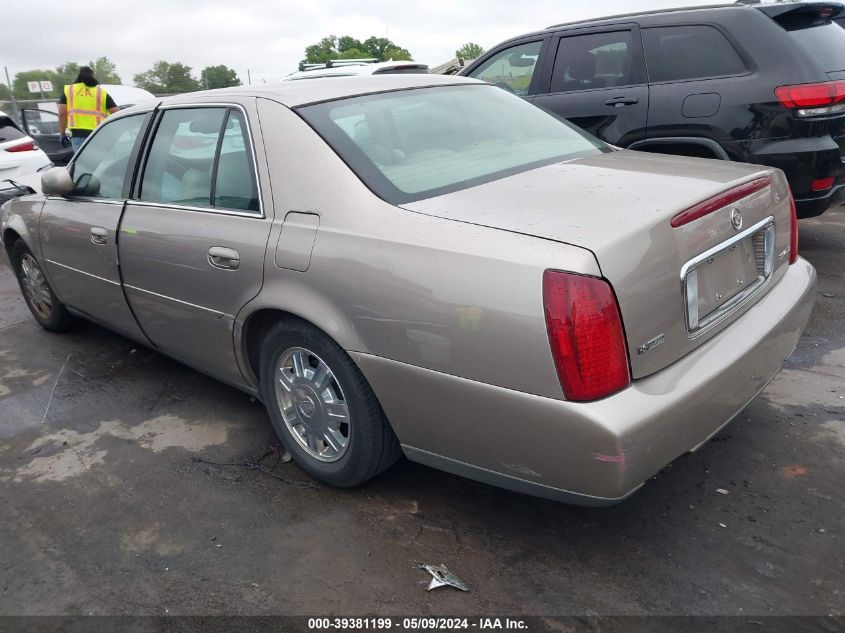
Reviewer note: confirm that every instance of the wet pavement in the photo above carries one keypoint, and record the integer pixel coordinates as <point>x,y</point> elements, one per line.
<point>109,504</point>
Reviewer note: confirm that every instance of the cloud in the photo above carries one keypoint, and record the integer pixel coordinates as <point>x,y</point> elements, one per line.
<point>269,37</point>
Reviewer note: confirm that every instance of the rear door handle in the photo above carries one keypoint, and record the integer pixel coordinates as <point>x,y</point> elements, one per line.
<point>99,235</point>
<point>225,258</point>
<point>618,102</point>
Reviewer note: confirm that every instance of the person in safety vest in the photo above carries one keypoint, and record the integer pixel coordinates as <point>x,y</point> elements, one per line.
<point>82,106</point>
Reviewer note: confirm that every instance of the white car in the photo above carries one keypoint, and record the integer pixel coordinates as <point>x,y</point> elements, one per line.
<point>19,153</point>
<point>125,96</point>
<point>356,68</point>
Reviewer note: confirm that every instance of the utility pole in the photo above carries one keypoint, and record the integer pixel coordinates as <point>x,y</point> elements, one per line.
<point>11,95</point>
<point>248,77</point>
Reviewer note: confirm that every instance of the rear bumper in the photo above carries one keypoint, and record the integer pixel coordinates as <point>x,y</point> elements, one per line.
<point>811,207</point>
<point>804,160</point>
<point>600,452</point>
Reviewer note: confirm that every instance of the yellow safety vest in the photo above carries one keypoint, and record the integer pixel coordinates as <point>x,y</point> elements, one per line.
<point>86,106</point>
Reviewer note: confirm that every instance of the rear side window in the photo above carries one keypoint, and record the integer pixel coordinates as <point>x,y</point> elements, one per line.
<point>200,157</point>
<point>598,60</point>
<point>677,53</point>
<point>8,130</point>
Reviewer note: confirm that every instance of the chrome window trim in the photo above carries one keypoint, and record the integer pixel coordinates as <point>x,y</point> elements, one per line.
<point>738,300</point>
<point>215,314</point>
<point>119,202</point>
<point>82,272</point>
<point>221,210</point>
<point>182,207</point>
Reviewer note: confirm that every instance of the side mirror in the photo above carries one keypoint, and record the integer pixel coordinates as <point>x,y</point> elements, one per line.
<point>56,181</point>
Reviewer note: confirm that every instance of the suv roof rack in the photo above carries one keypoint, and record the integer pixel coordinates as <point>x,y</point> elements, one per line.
<point>336,63</point>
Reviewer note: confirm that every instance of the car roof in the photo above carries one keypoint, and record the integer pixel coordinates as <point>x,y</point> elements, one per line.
<point>299,93</point>
<point>638,14</point>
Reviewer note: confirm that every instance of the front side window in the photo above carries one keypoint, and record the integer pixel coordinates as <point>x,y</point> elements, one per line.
<point>512,68</point>
<point>200,157</point>
<point>597,60</point>
<point>676,53</point>
<point>99,169</point>
<point>416,144</point>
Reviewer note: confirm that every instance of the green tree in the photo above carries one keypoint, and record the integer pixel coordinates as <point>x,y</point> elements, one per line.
<point>21,90</point>
<point>347,47</point>
<point>352,53</point>
<point>397,54</point>
<point>105,71</point>
<point>218,77</point>
<point>4,92</point>
<point>322,51</point>
<point>66,73</point>
<point>469,50</point>
<point>347,43</point>
<point>377,47</point>
<point>167,78</point>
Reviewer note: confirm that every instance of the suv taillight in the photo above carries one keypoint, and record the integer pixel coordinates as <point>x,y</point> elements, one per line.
<point>827,97</point>
<point>586,336</point>
<point>793,230</point>
<point>26,146</point>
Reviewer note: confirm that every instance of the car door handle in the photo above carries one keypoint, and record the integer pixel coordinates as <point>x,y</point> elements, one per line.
<point>225,258</point>
<point>618,102</point>
<point>99,235</point>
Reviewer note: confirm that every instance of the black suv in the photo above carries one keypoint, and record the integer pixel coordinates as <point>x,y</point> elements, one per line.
<point>753,83</point>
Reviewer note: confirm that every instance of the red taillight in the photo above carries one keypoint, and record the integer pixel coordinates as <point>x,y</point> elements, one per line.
<point>793,230</point>
<point>586,336</point>
<point>820,184</point>
<point>818,95</point>
<point>26,146</point>
<point>722,200</point>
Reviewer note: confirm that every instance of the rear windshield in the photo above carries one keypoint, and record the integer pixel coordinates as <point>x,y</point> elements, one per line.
<point>416,144</point>
<point>8,130</point>
<point>823,40</point>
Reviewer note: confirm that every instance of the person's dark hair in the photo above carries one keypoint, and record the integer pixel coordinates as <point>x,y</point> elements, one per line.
<point>86,76</point>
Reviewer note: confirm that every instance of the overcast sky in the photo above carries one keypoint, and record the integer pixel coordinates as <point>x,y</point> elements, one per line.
<point>269,36</point>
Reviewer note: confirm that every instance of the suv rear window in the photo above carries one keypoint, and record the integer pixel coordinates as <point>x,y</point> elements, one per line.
<point>824,41</point>
<point>414,144</point>
<point>8,130</point>
<point>676,53</point>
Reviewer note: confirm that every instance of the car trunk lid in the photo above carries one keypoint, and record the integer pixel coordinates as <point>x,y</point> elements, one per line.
<point>620,206</point>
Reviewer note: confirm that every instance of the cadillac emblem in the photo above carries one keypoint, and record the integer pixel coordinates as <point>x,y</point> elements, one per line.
<point>736,219</point>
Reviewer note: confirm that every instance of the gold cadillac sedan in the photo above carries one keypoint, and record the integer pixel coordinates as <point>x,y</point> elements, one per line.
<point>430,266</point>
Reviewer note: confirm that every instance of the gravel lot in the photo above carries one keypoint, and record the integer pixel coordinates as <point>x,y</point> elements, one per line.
<point>107,510</point>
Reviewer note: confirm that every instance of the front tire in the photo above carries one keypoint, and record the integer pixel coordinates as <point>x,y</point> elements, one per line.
<point>50,313</point>
<point>322,407</point>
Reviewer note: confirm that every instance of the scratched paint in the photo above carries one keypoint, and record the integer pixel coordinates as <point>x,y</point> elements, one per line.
<point>611,459</point>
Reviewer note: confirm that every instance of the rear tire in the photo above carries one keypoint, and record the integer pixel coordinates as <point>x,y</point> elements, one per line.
<point>50,313</point>
<point>322,407</point>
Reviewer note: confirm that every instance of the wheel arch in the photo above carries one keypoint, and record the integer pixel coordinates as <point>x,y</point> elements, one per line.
<point>15,230</point>
<point>10,236</point>
<point>694,146</point>
<point>254,321</point>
